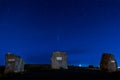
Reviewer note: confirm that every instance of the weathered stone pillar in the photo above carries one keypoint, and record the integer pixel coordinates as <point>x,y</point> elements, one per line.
<point>108,63</point>
<point>59,60</point>
<point>13,63</point>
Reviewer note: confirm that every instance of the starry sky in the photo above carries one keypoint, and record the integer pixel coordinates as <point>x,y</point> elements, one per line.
<point>33,29</point>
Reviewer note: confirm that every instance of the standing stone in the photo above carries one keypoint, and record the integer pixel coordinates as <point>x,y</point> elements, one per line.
<point>108,63</point>
<point>59,60</point>
<point>13,63</point>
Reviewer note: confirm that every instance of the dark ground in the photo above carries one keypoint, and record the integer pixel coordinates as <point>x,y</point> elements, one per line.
<point>63,75</point>
<point>70,74</point>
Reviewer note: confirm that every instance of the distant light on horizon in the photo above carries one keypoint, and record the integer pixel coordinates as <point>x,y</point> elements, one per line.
<point>118,66</point>
<point>83,65</point>
<point>80,65</point>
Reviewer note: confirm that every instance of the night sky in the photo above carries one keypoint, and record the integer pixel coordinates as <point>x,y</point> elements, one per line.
<point>33,29</point>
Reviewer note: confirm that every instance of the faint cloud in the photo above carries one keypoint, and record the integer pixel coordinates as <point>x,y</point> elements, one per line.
<point>79,51</point>
<point>39,57</point>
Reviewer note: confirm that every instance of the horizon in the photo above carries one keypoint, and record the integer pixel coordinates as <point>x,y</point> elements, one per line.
<point>79,65</point>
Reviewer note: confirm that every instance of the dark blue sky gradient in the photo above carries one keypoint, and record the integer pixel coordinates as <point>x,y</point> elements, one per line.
<point>86,29</point>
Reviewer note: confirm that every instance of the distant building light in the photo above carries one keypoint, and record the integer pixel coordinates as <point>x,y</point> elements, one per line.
<point>118,66</point>
<point>80,65</point>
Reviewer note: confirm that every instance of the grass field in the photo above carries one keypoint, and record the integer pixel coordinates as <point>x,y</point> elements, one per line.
<point>44,72</point>
<point>62,75</point>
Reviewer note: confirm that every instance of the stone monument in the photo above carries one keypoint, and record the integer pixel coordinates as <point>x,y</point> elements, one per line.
<point>59,60</point>
<point>13,63</point>
<point>108,63</point>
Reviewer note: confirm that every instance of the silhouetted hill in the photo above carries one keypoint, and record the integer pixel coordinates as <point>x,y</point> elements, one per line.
<point>2,68</point>
<point>63,75</point>
<point>36,67</point>
<point>44,71</point>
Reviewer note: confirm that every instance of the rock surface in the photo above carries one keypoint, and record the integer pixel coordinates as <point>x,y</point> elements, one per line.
<point>108,63</point>
<point>59,60</point>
